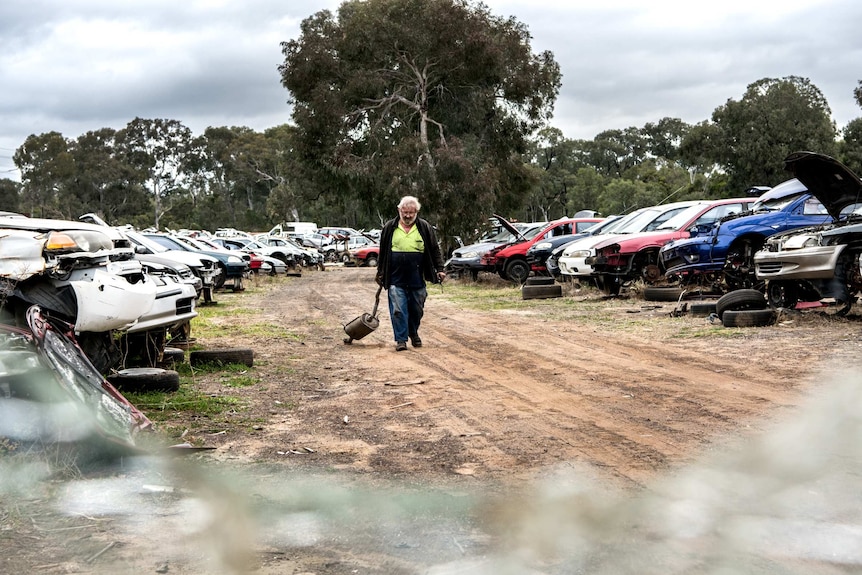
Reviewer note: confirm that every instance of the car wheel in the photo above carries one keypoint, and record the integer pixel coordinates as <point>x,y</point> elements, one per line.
<point>782,294</point>
<point>740,300</point>
<point>517,271</point>
<point>748,318</point>
<point>371,261</point>
<point>221,357</point>
<point>345,258</point>
<point>541,291</point>
<point>662,293</point>
<point>220,278</point>
<point>144,379</point>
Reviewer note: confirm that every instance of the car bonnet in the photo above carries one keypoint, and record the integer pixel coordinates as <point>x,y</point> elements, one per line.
<point>830,181</point>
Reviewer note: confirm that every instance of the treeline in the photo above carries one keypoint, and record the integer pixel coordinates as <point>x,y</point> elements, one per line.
<point>156,173</point>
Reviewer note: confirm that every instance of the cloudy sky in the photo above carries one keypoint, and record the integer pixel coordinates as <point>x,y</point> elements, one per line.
<point>73,67</point>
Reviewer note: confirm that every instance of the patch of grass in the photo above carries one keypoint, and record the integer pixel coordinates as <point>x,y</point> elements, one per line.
<point>210,324</point>
<point>703,332</point>
<point>187,370</point>
<point>585,305</point>
<point>267,330</point>
<point>160,406</point>
<point>240,381</point>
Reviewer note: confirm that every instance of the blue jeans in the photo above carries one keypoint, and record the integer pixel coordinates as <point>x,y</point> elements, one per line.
<point>406,308</point>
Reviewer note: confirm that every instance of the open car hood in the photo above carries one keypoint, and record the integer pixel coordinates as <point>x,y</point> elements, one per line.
<point>510,228</point>
<point>830,181</point>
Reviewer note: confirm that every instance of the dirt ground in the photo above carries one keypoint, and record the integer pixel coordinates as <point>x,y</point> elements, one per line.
<point>496,402</point>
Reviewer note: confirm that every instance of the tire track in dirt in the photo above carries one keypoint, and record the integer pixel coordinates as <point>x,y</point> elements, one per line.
<point>507,393</point>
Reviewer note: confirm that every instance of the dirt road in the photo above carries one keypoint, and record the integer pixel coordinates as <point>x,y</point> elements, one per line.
<point>618,385</point>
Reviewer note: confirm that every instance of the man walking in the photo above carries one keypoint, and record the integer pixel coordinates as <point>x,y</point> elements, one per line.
<point>409,256</point>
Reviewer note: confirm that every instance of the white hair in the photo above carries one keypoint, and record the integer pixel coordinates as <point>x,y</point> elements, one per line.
<point>409,200</point>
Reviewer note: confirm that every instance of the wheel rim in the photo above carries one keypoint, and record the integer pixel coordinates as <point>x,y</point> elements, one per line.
<point>518,271</point>
<point>781,294</point>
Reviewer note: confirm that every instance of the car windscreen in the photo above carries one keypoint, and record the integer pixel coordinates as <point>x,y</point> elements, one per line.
<point>146,242</point>
<point>774,204</point>
<point>612,224</point>
<point>681,218</point>
<point>637,221</point>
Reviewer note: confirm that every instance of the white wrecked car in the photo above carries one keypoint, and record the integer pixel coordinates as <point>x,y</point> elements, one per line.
<point>81,273</point>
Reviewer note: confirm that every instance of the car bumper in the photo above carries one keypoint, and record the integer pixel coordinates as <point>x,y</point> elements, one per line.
<point>574,267</point>
<point>817,262</point>
<point>464,264</point>
<point>236,270</point>
<point>174,306</point>
<point>107,301</point>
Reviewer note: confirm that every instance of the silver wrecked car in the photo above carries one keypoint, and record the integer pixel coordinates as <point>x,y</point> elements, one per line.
<point>817,263</point>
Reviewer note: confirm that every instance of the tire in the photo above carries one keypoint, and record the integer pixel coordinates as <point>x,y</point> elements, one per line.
<point>782,294</point>
<point>221,277</point>
<point>172,356</point>
<point>517,271</point>
<point>145,379</point>
<point>371,261</point>
<point>221,357</point>
<point>540,281</point>
<point>748,318</point>
<point>345,258</point>
<point>541,291</point>
<point>662,293</point>
<point>701,309</point>
<point>101,349</point>
<point>740,300</point>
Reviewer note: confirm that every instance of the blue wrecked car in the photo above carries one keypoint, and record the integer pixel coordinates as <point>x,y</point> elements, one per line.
<point>723,259</point>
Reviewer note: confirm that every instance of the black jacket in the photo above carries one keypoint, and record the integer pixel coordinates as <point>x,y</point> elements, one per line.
<point>432,258</point>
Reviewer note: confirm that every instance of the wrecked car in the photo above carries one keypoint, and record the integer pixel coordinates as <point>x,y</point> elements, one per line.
<point>50,393</point>
<point>510,261</point>
<point>81,273</point>
<point>572,261</point>
<point>817,263</point>
<point>467,259</point>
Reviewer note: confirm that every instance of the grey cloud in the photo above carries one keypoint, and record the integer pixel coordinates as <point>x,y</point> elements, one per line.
<point>216,64</point>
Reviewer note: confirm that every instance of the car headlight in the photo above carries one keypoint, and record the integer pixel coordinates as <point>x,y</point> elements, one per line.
<point>469,255</point>
<point>801,241</point>
<point>580,254</point>
<point>691,258</point>
<point>234,259</point>
<point>70,241</point>
<point>544,246</point>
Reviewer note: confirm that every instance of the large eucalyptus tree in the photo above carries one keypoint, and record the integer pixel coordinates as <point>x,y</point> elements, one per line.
<point>430,97</point>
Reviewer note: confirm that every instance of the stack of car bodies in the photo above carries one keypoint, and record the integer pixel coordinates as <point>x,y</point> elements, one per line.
<point>625,259</point>
<point>572,261</point>
<point>723,259</point>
